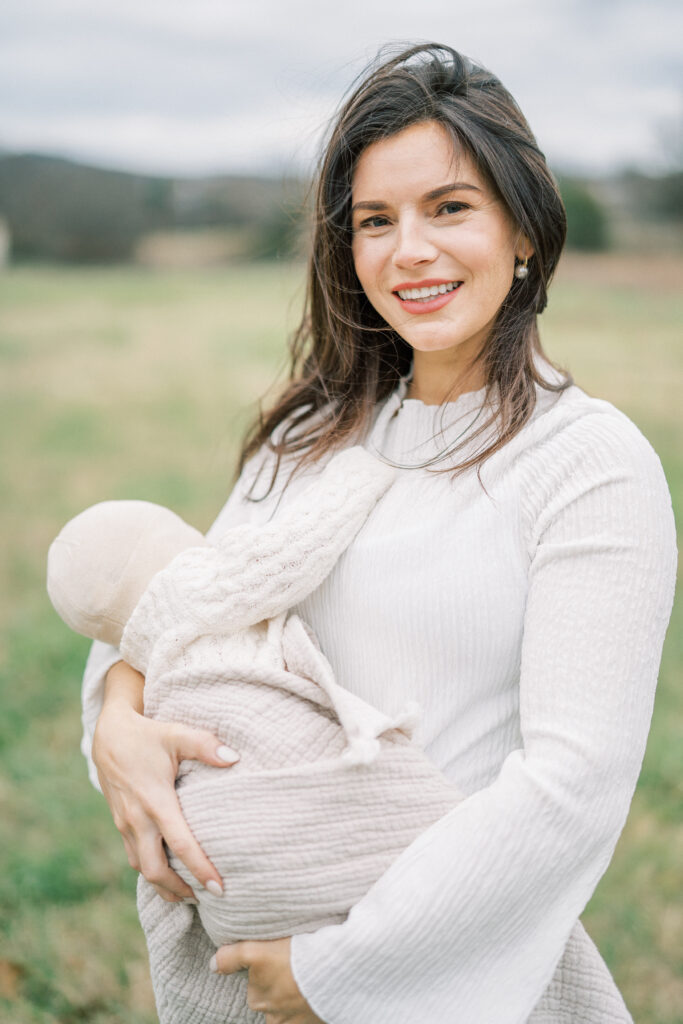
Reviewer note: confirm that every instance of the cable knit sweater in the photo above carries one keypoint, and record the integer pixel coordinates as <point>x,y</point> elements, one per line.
<point>526,617</point>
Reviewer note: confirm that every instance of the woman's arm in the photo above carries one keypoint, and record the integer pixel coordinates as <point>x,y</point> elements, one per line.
<point>470,921</point>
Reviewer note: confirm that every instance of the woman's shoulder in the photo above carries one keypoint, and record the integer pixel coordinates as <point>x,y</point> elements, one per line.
<point>572,425</point>
<point>583,452</point>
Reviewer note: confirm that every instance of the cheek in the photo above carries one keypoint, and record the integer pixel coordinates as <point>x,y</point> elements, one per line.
<point>360,262</point>
<point>489,249</point>
<point>366,265</point>
<point>497,271</point>
<point>489,243</point>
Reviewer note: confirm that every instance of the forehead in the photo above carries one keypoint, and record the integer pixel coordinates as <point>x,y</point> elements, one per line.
<point>417,159</point>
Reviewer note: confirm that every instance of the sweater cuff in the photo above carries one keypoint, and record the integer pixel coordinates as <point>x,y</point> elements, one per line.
<point>100,660</point>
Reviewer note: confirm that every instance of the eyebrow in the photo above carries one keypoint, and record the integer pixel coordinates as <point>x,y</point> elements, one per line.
<point>443,190</point>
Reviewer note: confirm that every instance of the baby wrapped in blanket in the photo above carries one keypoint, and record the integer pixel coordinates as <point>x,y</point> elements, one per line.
<point>328,790</point>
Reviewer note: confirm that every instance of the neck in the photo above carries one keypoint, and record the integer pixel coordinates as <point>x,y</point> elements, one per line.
<point>435,382</point>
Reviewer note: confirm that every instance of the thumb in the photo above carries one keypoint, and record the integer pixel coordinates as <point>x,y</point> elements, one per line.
<point>231,958</point>
<point>199,745</point>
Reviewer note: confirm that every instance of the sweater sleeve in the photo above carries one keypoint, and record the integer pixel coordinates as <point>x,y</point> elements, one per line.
<point>102,656</point>
<point>470,921</point>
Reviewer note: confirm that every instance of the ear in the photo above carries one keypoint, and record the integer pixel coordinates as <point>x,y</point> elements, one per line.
<point>524,250</point>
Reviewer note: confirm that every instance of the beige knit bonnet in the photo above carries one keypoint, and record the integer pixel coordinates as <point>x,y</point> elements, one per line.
<point>104,558</point>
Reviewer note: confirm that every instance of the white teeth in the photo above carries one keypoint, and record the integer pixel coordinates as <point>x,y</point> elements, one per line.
<point>421,294</point>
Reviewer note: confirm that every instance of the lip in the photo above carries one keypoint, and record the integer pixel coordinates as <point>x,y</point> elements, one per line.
<point>429,282</point>
<point>438,302</point>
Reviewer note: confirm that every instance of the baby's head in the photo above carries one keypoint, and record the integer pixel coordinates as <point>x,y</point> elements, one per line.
<point>104,558</point>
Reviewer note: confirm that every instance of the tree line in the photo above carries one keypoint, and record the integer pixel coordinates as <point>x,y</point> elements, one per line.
<point>61,210</point>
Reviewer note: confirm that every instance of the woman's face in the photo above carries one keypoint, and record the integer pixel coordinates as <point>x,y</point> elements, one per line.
<point>433,248</point>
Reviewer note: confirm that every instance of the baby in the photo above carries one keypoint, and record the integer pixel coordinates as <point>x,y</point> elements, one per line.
<point>328,790</point>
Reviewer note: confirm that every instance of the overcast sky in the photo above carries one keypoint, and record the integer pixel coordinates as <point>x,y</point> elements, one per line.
<point>197,86</point>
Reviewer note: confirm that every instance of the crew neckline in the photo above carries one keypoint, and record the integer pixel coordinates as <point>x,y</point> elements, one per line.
<point>407,428</point>
<point>464,398</point>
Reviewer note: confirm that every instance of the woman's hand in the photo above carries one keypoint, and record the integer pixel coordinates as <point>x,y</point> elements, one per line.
<point>137,762</point>
<point>272,989</point>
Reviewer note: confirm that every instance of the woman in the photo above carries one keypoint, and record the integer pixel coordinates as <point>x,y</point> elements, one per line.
<point>516,580</point>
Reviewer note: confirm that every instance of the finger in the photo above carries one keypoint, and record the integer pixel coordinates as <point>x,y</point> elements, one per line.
<point>199,745</point>
<point>131,852</point>
<point>170,897</point>
<point>156,869</point>
<point>165,894</point>
<point>255,1000</point>
<point>229,959</point>
<point>179,838</point>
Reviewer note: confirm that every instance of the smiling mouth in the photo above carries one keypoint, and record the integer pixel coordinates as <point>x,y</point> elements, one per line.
<point>427,294</point>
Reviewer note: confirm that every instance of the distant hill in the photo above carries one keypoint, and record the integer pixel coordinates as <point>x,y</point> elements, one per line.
<point>59,209</point>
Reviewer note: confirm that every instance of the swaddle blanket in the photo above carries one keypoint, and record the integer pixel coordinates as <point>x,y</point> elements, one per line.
<point>328,790</point>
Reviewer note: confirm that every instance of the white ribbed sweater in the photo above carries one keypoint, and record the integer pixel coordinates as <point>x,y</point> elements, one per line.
<point>527,621</point>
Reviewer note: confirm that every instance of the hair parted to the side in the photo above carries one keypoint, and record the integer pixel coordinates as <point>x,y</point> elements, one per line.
<point>344,356</point>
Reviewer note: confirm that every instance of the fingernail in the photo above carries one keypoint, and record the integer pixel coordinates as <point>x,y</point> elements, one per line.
<point>191,901</point>
<point>226,754</point>
<point>213,964</point>
<point>214,888</point>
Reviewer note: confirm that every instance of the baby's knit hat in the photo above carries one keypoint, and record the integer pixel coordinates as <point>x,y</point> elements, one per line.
<point>104,558</point>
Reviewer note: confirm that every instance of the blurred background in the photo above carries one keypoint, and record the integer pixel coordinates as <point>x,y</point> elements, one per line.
<point>154,164</point>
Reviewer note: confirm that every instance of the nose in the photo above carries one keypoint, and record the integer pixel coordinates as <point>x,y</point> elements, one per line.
<point>413,245</point>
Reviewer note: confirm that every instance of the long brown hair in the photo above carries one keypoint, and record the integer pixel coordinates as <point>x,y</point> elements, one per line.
<point>344,358</point>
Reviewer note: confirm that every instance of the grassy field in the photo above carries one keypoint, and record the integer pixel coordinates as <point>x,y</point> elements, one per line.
<point>132,383</point>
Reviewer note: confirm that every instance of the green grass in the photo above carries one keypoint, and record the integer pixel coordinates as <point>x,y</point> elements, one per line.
<point>133,383</point>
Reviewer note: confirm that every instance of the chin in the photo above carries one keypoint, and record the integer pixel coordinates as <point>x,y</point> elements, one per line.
<point>429,343</point>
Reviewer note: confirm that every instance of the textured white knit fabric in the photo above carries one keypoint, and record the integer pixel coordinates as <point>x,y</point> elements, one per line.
<point>527,620</point>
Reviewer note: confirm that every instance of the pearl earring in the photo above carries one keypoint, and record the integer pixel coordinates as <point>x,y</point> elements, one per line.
<point>522,270</point>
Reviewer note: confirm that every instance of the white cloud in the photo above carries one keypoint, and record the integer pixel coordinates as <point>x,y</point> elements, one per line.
<point>279,140</point>
<point>168,86</point>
